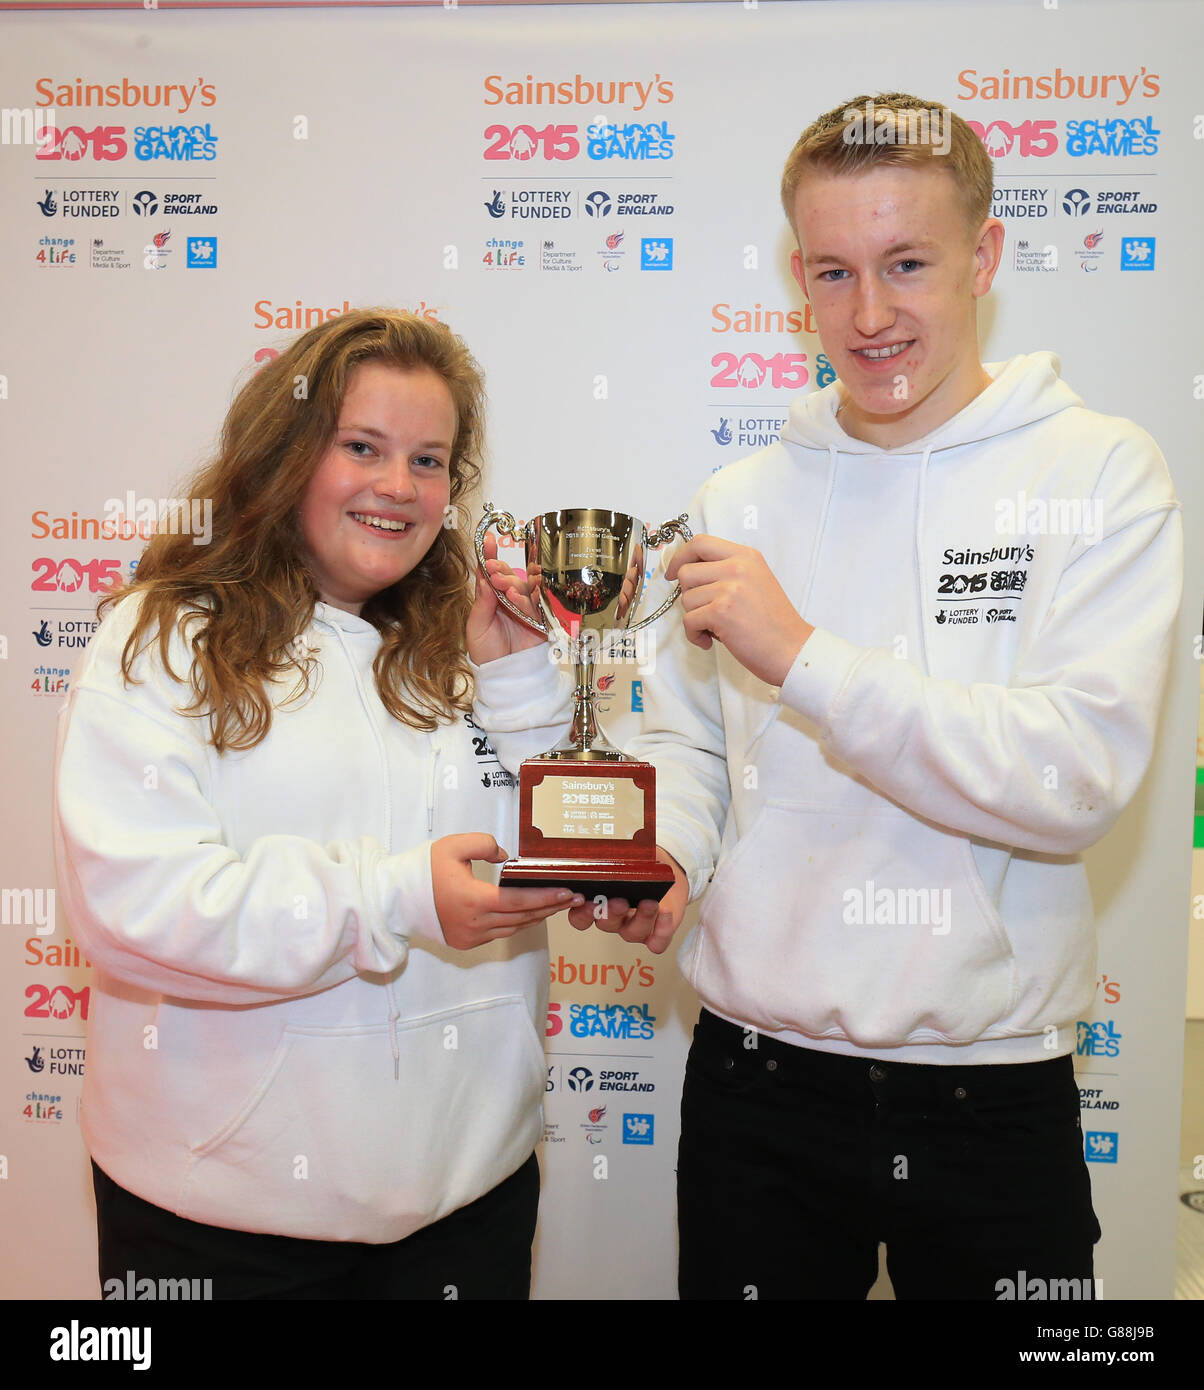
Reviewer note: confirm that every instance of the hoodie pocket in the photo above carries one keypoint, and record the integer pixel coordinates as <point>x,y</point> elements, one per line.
<point>868,925</point>
<point>332,1145</point>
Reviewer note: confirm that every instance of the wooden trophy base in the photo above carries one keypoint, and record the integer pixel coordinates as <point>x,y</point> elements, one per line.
<point>589,826</point>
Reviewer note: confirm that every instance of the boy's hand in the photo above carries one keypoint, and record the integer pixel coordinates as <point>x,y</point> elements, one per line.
<point>649,923</point>
<point>729,592</point>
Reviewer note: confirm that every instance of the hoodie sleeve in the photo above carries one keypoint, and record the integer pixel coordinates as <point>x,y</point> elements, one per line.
<point>523,702</point>
<point>1047,762</point>
<point>682,735</point>
<point>155,896</point>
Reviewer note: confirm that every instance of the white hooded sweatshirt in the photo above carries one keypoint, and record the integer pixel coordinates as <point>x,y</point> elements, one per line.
<point>280,1039</point>
<point>895,834</point>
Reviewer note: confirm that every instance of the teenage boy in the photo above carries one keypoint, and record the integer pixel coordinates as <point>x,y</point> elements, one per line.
<point>923,646</point>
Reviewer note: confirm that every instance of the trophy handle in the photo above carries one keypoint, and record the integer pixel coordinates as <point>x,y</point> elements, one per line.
<point>506,526</point>
<point>654,540</point>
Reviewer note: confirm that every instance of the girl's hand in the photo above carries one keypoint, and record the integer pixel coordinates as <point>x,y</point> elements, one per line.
<point>472,913</point>
<point>491,632</point>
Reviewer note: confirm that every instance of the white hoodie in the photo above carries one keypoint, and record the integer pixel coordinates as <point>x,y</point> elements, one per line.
<point>280,1039</point>
<point>901,823</point>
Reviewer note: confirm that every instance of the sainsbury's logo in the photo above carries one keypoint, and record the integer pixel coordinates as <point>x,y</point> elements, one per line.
<point>1056,86</point>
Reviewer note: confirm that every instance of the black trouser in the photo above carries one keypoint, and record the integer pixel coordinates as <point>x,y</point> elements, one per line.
<point>482,1250</point>
<point>794,1164</point>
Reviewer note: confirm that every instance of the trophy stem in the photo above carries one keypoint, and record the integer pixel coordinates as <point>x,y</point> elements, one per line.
<point>584,740</point>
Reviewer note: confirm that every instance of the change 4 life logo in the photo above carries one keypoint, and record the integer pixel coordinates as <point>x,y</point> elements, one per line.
<point>505,253</point>
<point>39,1107</point>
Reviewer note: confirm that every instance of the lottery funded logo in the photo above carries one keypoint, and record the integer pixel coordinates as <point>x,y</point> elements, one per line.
<point>531,203</point>
<point>80,202</point>
<point>1020,203</point>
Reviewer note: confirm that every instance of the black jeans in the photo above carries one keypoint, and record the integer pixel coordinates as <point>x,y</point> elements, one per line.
<point>481,1251</point>
<point>794,1164</point>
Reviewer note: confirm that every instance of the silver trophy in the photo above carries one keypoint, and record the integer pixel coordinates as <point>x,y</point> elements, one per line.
<point>587,812</point>
<point>586,568</point>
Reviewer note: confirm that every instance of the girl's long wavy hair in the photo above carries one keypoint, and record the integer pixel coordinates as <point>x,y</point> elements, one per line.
<point>250,588</point>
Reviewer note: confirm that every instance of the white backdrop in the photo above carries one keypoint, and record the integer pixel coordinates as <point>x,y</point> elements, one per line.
<point>441,161</point>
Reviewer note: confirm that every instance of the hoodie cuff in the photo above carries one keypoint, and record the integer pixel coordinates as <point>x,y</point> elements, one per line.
<point>820,670</point>
<point>408,892</point>
<point>525,690</point>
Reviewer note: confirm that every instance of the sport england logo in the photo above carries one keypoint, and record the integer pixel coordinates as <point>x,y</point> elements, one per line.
<point>1077,202</point>
<point>597,204</point>
<point>1137,253</point>
<point>581,1079</point>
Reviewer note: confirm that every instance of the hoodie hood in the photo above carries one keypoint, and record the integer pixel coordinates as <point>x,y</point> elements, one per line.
<point>1023,390</point>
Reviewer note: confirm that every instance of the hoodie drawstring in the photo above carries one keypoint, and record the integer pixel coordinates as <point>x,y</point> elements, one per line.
<point>921,495</point>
